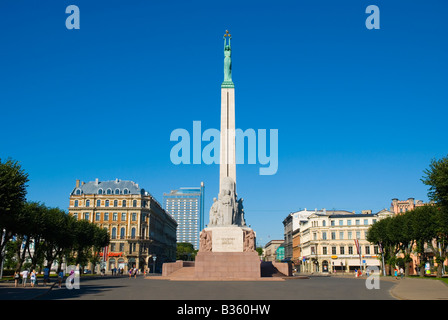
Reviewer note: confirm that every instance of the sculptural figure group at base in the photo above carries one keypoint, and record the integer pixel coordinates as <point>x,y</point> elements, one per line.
<point>227,210</point>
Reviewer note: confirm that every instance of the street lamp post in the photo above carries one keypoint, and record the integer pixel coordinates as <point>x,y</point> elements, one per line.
<point>154,263</point>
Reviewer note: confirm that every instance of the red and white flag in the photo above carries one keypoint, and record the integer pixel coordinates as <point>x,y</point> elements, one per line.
<point>357,245</point>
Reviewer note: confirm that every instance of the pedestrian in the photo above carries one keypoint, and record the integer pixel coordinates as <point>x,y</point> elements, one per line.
<point>72,276</point>
<point>60,277</point>
<point>46,275</point>
<point>395,273</point>
<point>24,277</point>
<point>356,273</point>
<point>401,273</point>
<point>16,278</point>
<point>130,273</point>
<point>33,278</point>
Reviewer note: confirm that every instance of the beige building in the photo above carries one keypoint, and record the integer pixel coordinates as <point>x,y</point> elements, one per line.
<point>329,241</point>
<point>138,226</point>
<point>270,250</point>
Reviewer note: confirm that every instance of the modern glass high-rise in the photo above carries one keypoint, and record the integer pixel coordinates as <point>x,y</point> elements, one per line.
<point>186,206</point>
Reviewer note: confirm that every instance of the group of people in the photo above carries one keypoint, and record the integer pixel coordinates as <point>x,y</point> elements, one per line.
<point>33,277</point>
<point>24,276</point>
<point>396,271</point>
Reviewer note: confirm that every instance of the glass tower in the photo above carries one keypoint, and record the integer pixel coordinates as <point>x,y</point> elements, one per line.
<point>186,206</point>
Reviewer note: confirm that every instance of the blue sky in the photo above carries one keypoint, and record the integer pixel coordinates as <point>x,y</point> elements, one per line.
<point>360,113</point>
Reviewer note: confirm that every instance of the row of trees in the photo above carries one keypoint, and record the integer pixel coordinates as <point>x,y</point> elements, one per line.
<point>40,233</point>
<point>422,231</point>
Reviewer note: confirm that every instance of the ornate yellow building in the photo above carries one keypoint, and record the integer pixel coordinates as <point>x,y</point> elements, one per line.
<point>138,226</point>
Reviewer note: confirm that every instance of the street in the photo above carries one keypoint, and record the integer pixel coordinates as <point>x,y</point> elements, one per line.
<point>140,288</point>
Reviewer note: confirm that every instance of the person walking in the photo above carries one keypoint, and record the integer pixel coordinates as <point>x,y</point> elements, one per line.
<point>16,278</point>
<point>60,277</point>
<point>33,278</point>
<point>396,273</point>
<point>24,277</point>
<point>401,273</point>
<point>46,275</point>
<point>130,273</point>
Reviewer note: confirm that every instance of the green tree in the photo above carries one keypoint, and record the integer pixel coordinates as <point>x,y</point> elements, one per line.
<point>422,222</point>
<point>436,177</point>
<point>100,240</point>
<point>185,251</point>
<point>379,233</point>
<point>56,233</point>
<point>13,181</point>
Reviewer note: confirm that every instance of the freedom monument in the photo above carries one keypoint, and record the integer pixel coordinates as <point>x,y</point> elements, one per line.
<point>227,244</point>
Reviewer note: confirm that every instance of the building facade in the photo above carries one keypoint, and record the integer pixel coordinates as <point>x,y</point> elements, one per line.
<point>336,241</point>
<point>139,228</point>
<point>402,206</point>
<point>186,206</point>
<point>291,225</point>
<point>270,250</point>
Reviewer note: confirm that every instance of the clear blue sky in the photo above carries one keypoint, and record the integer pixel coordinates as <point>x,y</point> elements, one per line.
<point>360,113</point>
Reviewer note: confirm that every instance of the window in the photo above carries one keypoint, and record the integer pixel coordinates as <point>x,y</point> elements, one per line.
<point>367,251</point>
<point>358,235</point>
<point>122,233</point>
<point>366,222</point>
<point>117,191</point>
<point>125,191</point>
<point>76,203</point>
<point>133,233</point>
<point>123,216</point>
<point>97,216</point>
<point>349,222</point>
<point>106,216</point>
<point>350,250</point>
<point>349,235</point>
<point>100,191</point>
<point>357,222</point>
<point>323,223</point>
<point>112,247</point>
<point>87,203</point>
<point>75,215</point>
<point>106,203</point>
<point>314,236</point>
<point>123,203</point>
<point>332,223</point>
<point>324,250</point>
<point>341,222</point>
<point>333,236</point>
<point>114,233</point>
<point>134,216</point>
<point>341,235</point>
<point>121,247</point>
<point>375,250</point>
<point>114,216</point>
<point>78,192</point>
<point>333,250</point>
<point>98,203</point>
<point>134,203</point>
<point>86,216</point>
<point>115,203</point>
<point>324,236</point>
<point>341,250</point>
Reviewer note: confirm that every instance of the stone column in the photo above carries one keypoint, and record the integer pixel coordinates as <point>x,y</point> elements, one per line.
<point>227,167</point>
